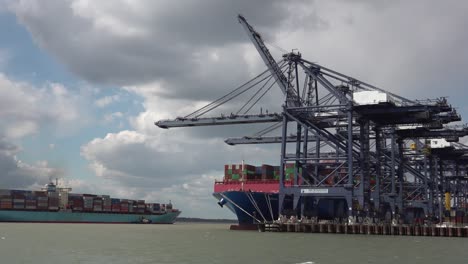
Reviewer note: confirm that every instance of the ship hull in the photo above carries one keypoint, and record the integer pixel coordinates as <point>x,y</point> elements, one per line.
<point>84,217</point>
<point>243,202</point>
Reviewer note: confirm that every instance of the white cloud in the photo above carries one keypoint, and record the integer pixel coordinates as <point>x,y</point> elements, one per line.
<point>24,107</point>
<point>112,116</point>
<point>19,174</point>
<point>107,100</point>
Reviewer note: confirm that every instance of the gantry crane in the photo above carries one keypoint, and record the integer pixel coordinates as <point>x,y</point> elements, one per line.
<point>348,152</point>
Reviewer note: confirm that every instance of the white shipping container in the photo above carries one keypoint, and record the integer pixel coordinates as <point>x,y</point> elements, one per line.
<point>440,143</point>
<point>370,97</point>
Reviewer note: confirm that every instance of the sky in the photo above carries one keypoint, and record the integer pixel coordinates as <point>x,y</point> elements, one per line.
<point>82,82</point>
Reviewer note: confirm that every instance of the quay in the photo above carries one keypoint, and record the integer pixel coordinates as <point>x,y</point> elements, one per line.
<point>361,229</point>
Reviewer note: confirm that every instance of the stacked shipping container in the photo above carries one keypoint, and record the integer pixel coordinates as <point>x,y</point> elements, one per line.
<point>6,201</point>
<point>42,200</point>
<point>247,172</point>
<point>50,201</point>
<point>115,205</point>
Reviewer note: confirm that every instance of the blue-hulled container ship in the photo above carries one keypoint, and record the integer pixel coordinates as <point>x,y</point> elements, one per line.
<point>251,193</point>
<point>53,204</point>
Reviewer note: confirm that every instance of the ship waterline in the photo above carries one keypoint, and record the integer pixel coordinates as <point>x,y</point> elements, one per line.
<point>85,217</point>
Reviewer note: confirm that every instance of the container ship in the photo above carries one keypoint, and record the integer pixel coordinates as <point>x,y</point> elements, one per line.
<point>251,193</point>
<point>53,204</point>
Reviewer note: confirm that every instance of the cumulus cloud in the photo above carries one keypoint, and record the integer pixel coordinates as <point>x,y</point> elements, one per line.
<point>137,159</point>
<point>107,100</point>
<point>18,174</point>
<point>24,107</point>
<point>140,41</point>
<point>416,48</point>
<point>112,116</point>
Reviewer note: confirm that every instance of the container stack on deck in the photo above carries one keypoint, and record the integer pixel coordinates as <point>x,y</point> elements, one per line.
<point>50,201</point>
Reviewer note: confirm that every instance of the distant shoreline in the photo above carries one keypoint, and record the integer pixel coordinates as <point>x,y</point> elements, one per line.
<point>202,220</point>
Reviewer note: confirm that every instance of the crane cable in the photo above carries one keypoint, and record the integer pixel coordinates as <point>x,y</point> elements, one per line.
<point>262,95</point>
<point>258,99</point>
<point>258,91</point>
<point>254,204</point>
<point>270,208</point>
<point>240,208</point>
<point>226,95</point>
<point>268,129</point>
<point>223,99</point>
<point>232,97</point>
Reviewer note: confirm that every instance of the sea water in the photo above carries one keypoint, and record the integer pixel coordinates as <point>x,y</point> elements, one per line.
<point>213,243</point>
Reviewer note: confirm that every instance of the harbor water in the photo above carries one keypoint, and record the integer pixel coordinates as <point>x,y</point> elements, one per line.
<point>213,243</point>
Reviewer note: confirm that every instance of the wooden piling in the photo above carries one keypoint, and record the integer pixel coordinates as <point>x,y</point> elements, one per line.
<point>385,229</point>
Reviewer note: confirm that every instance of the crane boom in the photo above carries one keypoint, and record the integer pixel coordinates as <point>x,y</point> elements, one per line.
<point>280,78</point>
<point>222,120</point>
